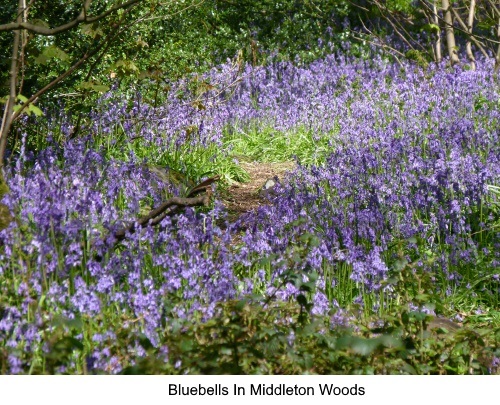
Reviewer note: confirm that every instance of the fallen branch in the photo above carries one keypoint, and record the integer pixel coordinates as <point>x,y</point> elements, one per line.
<point>157,215</point>
<point>171,207</point>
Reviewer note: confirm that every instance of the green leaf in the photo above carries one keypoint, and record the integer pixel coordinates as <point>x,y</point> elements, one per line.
<point>35,110</point>
<point>145,342</point>
<point>400,264</point>
<point>302,300</point>
<point>93,86</point>
<point>41,59</point>
<point>101,88</point>
<point>51,52</point>
<point>418,316</point>
<point>358,345</point>
<point>65,345</point>
<point>32,109</point>
<point>226,351</point>
<point>40,23</point>
<point>431,28</point>
<point>125,68</point>
<point>390,341</point>
<point>187,345</point>
<point>92,30</point>
<point>307,287</point>
<point>75,323</point>
<point>308,361</point>
<point>422,297</point>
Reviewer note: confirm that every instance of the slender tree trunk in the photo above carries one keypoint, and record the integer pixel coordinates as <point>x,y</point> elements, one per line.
<point>470,23</point>
<point>22,55</point>
<point>437,45</point>
<point>497,58</point>
<point>9,107</point>
<point>450,34</point>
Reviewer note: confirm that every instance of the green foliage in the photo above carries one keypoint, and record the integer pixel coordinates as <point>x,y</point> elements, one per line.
<point>402,6</point>
<point>155,42</point>
<point>31,109</point>
<point>5,215</point>
<point>190,164</point>
<point>51,52</point>
<point>419,57</point>
<point>251,337</point>
<point>265,144</point>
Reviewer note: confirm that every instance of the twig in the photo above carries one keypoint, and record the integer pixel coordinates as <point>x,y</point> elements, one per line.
<point>382,45</point>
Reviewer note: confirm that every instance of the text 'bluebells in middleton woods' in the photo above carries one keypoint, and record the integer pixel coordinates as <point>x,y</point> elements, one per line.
<point>296,390</point>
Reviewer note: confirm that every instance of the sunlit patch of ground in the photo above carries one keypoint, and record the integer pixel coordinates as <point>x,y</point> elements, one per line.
<point>244,197</point>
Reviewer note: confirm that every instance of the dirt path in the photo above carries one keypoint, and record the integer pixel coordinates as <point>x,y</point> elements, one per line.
<point>244,197</point>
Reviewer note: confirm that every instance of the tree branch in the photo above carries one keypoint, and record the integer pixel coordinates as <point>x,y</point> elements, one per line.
<point>110,37</point>
<point>58,79</point>
<point>381,44</point>
<point>494,7</point>
<point>82,18</point>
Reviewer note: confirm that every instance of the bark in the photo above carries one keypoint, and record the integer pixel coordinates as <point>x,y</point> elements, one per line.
<point>470,23</point>
<point>9,106</point>
<point>437,45</point>
<point>22,55</point>
<point>450,34</point>
<point>497,57</point>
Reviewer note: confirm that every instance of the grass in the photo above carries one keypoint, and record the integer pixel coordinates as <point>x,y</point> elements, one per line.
<point>265,144</point>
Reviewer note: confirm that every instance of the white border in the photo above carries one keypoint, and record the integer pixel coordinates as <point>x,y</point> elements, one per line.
<point>138,390</point>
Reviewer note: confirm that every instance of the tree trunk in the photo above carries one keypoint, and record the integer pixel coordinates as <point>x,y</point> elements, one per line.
<point>437,45</point>
<point>9,107</point>
<point>470,23</point>
<point>450,34</point>
<point>497,58</point>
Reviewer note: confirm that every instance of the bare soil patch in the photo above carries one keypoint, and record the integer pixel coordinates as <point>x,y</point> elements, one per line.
<point>244,197</point>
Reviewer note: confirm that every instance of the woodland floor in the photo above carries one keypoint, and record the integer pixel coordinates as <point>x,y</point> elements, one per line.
<point>241,198</point>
